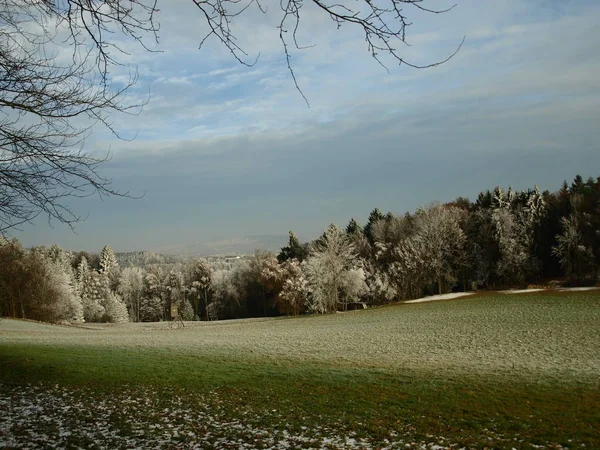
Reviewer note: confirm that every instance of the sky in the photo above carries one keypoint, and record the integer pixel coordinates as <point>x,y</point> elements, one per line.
<point>223,150</point>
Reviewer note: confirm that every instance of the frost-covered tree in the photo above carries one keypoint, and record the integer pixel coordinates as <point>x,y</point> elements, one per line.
<point>271,273</point>
<point>419,252</point>
<point>94,292</point>
<point>154,301</point>
<point>80,274</point>
<point>294,289</point>
<point>62,281</point>
<point>115,308</point>
<point>108,260</point>
<point>536,208</point>
<point>575,257</point>
<point>408,269</point>
<point>353,286</point>
<point>68,305</point>
<point>186,311</point>
<point>100,304</point>
<point>512,238</point>
<point>110,267</point>
<point>330,271</point>
<point>375,216</point>
<point>151,309</point>
<point>271,276</point>
<point>44,282</point>
<point>131,289</point>
<point>228,293</point>
<point>444,242</point>
<point>201,287</point>
<point>380,289</point>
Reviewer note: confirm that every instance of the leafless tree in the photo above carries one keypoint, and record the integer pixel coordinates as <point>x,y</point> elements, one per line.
<point>50,101</point>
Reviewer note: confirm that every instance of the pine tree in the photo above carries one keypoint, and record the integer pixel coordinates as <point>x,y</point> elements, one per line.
<point>108,260</point>
<point>375,216</point>
<point>94,291</point>
<point>116,311</point>
<point>294,250</point>
<point>576,185</point>
<point>353,227</point>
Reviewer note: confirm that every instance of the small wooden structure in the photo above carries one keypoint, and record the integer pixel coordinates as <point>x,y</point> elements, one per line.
<point>175,317</point>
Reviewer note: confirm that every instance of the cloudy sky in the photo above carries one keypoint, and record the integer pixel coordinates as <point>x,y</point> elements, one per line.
<point>223,150</point>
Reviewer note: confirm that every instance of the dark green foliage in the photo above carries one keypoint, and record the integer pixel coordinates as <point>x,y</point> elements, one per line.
<point>375,216</point>
<point>294,250</point>
<point>353,227</point>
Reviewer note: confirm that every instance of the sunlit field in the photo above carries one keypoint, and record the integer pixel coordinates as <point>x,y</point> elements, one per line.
<point>490,370</point>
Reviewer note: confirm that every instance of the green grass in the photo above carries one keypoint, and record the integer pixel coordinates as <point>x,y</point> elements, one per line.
<point>491,405</point>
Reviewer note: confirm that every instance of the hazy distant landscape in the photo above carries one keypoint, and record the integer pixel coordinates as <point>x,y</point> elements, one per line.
<point>236,246</point>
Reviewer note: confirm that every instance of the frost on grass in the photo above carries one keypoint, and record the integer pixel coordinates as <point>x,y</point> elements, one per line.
<point>42,416</point>
<point>535,335</point>
<point>57,417</point>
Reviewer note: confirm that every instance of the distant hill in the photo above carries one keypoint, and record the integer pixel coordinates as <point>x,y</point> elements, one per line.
<point>180,253</point>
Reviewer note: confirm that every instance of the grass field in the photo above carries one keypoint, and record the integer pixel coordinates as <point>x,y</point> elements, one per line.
<point>487,371</point>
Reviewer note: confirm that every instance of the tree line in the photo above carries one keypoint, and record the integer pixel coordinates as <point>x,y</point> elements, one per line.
<point>505,238</point>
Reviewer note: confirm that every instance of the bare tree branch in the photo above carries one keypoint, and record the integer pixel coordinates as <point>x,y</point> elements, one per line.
<point>382,22</point>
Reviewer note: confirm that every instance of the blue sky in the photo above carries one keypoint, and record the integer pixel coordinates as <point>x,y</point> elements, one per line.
<point>223,150</point>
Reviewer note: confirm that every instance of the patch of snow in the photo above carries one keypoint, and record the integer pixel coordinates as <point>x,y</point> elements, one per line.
<point>575,289</point>
<point>520,291</point>
<point>433,298</point>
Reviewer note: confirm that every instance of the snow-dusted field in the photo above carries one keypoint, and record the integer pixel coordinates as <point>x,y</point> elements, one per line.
<point>546,335</point>
<point>144,418</point>
<point>539,338</point>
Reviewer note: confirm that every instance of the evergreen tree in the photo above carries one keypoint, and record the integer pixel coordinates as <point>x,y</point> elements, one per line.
<point>576,185</point>
<point>484,200</point>
<point>94,295</point>
<point>353,227</point>
<point>116,311</point>
<point>294,250</point>
<point>375,216</point>
<point>108,260</point>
